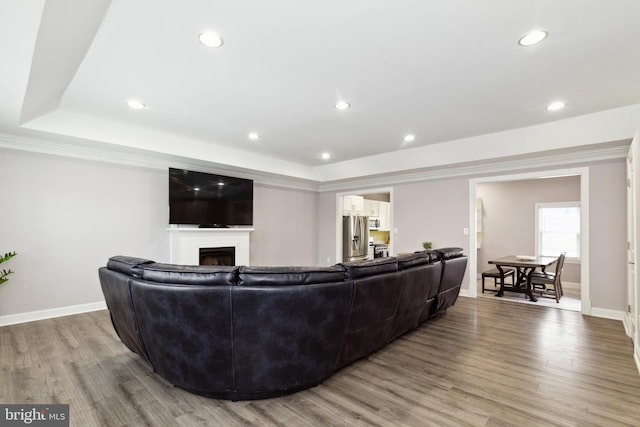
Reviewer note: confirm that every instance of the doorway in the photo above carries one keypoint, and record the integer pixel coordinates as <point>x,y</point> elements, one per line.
<point>583,175</point>
<point>382,234</point>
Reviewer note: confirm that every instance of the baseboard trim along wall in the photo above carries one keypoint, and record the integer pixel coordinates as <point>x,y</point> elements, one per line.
<point>32,316</point>
<point>101,305</point>
<point>628,327</point>
<point>607,313</point>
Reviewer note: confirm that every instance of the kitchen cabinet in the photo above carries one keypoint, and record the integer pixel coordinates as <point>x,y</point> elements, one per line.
<point>352,205</point>
<point>371,208</point>
<point>384,214</point>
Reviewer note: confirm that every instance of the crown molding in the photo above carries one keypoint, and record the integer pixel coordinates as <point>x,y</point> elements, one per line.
<point>615,150</point>
<point>114,154</point>
<point>109,153</point>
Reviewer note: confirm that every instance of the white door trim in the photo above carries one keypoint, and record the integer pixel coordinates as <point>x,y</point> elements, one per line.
<point>632,313</point>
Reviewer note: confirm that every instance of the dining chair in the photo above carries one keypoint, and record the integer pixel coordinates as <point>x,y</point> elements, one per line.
<point>543,281</point>
<point>495,275</point>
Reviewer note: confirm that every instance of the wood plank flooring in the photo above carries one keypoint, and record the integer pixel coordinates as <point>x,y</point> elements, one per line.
<point>570,301</point>
<point>484,363</point>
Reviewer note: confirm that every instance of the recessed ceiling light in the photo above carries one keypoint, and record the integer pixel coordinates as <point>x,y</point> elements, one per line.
<point>555,106</point>
<point>210,39</point>
<point>135,104</point>
<point>326,156</point>
<point>409,138</point>
<point>342,105</point>
<point>254,136</point>
<point>532,37</point>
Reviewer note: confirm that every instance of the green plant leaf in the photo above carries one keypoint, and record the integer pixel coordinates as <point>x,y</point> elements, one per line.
<point>4,273</point>
<point>7,256</point>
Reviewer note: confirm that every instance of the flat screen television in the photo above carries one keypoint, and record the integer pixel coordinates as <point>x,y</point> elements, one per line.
<point>209,200</point>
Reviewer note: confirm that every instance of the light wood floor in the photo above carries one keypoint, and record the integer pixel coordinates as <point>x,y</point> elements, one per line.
<point>484,363</point>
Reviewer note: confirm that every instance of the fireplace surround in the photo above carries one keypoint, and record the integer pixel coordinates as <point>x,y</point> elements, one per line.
<point>186,243</point>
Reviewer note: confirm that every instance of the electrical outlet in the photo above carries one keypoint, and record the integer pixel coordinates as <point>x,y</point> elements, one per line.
<point>465,231</point>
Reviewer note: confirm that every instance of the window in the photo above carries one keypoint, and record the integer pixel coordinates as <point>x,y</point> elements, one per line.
<point>558,229</point>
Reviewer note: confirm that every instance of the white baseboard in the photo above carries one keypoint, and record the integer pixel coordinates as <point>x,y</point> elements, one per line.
<point>571,285</point>
<point>628,326</point>
<point>592,311</point>
<point>607,313</point>
<point>636,356</point>
<point>31,316</point>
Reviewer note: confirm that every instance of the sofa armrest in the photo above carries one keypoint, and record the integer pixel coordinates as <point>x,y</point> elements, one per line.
<point>127,264</point>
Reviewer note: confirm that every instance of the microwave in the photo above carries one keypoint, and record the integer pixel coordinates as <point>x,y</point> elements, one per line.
<point>374,223</point>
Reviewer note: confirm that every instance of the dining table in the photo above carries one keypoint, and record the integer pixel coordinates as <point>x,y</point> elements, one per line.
<point>524,266</point>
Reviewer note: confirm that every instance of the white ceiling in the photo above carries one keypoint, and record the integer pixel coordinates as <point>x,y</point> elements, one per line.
<point>444,71</point>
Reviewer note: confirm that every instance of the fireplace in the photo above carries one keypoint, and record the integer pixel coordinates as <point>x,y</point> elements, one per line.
<point>186,242</point>
<point>218,256</point>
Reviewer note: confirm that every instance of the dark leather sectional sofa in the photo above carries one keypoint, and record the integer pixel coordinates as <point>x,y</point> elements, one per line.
<point>256,332</point>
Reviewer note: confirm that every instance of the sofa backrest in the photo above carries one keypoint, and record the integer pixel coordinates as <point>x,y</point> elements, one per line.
<point>359,269</point>
<point>117,295</point>
<point>285,332</point>
<point>187,331</point>
<point>377,287</point>
<point>420,287</point>
<point>127,264</point>
<point>415,259</point>
<point>289,276</point>
<point>211,275</point>
<point>448,253</point>
<point>453,270</point>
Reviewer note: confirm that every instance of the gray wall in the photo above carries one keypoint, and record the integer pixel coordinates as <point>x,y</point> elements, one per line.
<point>508,217</point>
<point>438,211</point>
<point>608,235</point>
<point>434,211</point>
<point>65,217</point>
<point>327,225</point>
<point>285,223</point>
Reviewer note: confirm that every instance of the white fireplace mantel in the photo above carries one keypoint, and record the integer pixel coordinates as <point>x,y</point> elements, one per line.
<point>185,243</point>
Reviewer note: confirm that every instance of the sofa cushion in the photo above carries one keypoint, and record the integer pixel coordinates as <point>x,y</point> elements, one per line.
<point>432,254</point>
<point>127,264</point>
<point>286,276</point>
<point>358,269</point>
<point>413,260</point>
<point>216,275</point>
<point>448,253</point>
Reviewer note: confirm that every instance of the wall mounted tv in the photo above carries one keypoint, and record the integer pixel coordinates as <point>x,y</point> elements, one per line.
<point>209,200</point>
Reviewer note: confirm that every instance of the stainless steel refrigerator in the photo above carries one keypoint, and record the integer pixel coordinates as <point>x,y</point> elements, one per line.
<point>355,238</point>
